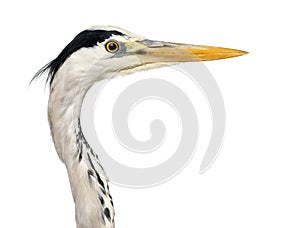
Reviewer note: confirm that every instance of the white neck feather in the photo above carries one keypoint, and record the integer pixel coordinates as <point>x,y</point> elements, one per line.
<point>89,184</point>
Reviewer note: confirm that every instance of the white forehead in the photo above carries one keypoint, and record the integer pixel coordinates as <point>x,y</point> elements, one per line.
<point>124,31</point>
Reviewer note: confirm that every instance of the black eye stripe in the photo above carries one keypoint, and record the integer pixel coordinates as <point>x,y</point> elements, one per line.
<point>87,38</point>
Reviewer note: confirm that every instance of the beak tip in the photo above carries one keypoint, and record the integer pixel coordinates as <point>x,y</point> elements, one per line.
<point>236,53</point>
<point>244,52</point>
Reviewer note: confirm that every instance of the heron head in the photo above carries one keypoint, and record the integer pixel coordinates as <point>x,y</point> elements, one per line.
<point>104,52</point>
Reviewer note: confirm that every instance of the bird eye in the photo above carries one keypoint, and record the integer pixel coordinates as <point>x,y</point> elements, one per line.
<point>112,46</point>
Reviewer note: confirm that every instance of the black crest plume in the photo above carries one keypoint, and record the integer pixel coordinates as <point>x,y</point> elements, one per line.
<point>85,39</point>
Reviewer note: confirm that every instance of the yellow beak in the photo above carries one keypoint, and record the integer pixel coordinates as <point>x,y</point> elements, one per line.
<point>156,51</point>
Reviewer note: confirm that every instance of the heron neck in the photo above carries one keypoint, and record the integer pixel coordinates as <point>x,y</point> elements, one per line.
<point>89,184</point>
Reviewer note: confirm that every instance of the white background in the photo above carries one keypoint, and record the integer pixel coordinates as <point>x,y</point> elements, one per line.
<point>255,180</point>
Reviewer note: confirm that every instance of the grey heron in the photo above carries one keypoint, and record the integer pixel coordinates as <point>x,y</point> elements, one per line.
<point>101,52</point>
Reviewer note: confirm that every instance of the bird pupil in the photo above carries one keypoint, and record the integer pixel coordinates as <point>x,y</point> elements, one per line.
<point>112,46</point>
